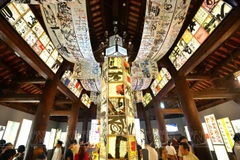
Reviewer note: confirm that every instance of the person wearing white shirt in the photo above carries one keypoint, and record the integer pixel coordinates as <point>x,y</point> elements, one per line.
<point>57,154</point>
<point>172,154</point>
<point>184,139</point>
<point>152,153</point>
<point>185,150</point>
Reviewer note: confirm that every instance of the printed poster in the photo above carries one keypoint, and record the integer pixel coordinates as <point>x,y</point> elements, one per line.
<point>213,129</point>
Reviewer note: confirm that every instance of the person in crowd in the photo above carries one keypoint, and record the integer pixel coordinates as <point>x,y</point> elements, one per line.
<point>81,142</point>
<point>152,153</point>
<point>2,142</point>
<point>20,154</point>
<point>82,154</point>
<point>76,147</point>
<point>183,139</point>
<point>163,153</point>
<point>39,152</point>
<point>236,147</point>
<point>8,154</point>
<point>58,151</point>
<point>139,151</point>
<point>69,154</point>
<point>172,154</point>
<point>185,150</point>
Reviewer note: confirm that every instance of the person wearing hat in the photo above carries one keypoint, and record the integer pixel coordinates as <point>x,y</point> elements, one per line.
<point>236,147</point>
<point>39,152</point>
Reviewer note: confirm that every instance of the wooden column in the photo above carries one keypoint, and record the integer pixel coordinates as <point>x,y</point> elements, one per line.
<point>160,123</point>
<point>190,112</point>
<point>84,128</point>
<point>43,112</point>
<point>148,125</point>
<point>72,123</point>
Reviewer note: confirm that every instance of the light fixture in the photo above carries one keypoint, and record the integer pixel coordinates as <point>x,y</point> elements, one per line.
<point>162,105</point>
<point>237,75</point>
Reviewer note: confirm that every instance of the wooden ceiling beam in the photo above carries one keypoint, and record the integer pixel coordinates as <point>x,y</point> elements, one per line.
<point>172,111</point>
<point>60,113</point>
<point>198,77</point>
<point>15,41</point>
<point>215,94</point>
<point>29,98</point>
<point>230,58</point>
<point>211,104</point>
<point>32,81</point>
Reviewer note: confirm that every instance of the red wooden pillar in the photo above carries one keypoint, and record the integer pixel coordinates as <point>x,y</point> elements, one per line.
<point>160,122</point>
<point>42,115</point>
<point>72,123</point>
<point>190,112</point>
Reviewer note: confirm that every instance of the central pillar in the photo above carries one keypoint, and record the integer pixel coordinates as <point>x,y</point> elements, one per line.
<point>42,115</point>
<point>117,135</point>
<point>190,112</point>
<point>160,122</point>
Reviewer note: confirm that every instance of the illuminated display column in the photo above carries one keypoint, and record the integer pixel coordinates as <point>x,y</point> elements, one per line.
<point>117,135</point>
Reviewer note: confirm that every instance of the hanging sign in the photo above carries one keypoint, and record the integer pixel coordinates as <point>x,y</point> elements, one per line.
<point>163,21</point>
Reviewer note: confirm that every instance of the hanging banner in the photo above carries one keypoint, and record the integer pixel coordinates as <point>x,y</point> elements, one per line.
<point>163,21</point>
<point>71,83</point>
<point>141,84</point>
<point>144,69</point>
<point>86,100</point>
<point>87,70</point>
<point>213,129</point>
<point>67,26</point>
<point>227,132</point>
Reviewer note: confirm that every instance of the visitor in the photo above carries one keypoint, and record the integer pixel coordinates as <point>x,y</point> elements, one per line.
<point>76,147</point>
<point>172,154</point>
<point>82,154</point>
<point>2,142</point>
<point>39,152</point>
<point>163,153</point>
<point>185,150</point>
<point>20,154</point>
<point>152,153</point>
<point>8,154</point>
<point>236,147</point>
<point>69,154</point>
<point>58,151</point>
<point>183,139</point>
<point>139,151</point>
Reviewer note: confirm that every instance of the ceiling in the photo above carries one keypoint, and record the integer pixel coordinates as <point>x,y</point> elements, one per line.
<point>209,71</point>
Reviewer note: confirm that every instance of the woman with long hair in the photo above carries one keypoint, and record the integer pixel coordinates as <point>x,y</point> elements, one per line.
<point>82,154</point>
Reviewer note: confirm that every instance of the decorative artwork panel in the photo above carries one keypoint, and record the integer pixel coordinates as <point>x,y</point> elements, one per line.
<point>117,125</point>
<point>86,100</point>
<point>115,75</point>
<point>117,147</point>
<point>132,147</point>
<point>116,90</point>
<point>115,63</point>
<point>116,106</point>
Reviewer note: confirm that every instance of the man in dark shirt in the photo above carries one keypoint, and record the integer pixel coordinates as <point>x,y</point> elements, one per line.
<point>69,154</point>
